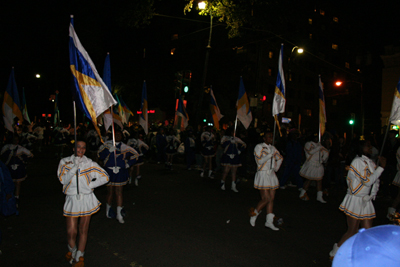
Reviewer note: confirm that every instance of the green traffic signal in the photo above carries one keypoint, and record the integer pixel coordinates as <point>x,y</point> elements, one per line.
<point>186,89</point>
<point>204,120</point>
<point>351,122</point>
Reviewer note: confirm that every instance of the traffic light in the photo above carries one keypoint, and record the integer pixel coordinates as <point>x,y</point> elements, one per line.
<point>186,80</point>
<point>178,81</point>
<point>352,119</point>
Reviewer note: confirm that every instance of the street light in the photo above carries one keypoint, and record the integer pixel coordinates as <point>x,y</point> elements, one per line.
<point>299,51</point>
<point>340,83</point>
<point>202,6</point>
<point>37,76</point>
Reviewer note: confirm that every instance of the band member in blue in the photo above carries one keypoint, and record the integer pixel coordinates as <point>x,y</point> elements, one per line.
<point>117,161</point>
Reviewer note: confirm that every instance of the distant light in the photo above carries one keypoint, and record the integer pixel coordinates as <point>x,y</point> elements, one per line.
<point>210,124</point>
<point>186,89</point>
<point>38,76</point>
<point>202,5</point>
<point>351,122</point>
<point>300,50</point>
<point>52,100</point>
<point>205,120</point>
<point>338,83</point>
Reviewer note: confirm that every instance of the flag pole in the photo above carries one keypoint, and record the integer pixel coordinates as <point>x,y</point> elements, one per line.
<point>75,150</point>
<point>383,143</point>
<point>113,136</point>
<point>273,139</point>
<point>234,132</point>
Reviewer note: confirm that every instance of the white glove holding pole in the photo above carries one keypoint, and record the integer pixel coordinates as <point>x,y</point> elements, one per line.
<point>115,169</point>
<point>112,149</point>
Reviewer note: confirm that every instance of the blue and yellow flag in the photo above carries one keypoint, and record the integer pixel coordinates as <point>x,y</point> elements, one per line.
<point>322,113</point>
<point>11,104</point>
<point>243,107</point>
<point>395,113</point>
<point>107,72</point>
<point>91,94</point>
<point>127,111</point>
<point>278,105</point>
<point>144,117</point>
<point>215,112</point>
<point>24,107</point>
<point>181,112</point>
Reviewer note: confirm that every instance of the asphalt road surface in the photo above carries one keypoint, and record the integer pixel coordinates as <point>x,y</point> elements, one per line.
<point>174,218</point>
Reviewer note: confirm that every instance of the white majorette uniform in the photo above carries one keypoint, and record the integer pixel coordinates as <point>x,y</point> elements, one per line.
<point>172,144</point>
<point>207,142</point>
<point>360,178</point>
<point>90,176</point>
<point>233,146</point>
<point>396,180</point>
<point>267,156</point>
<point>15,157</point>
<point>316,155</point>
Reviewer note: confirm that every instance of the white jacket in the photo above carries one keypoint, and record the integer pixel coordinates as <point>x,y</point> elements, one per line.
<point>90,174</point>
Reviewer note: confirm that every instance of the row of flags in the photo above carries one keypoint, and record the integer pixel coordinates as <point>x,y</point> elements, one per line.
<point>94,97</point>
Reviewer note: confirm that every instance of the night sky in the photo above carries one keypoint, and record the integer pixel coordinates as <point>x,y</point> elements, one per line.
<point>35,40</point>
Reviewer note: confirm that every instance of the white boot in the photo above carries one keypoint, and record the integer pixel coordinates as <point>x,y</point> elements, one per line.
<point>390,212</point>
<point>119,216</point>
<point>303,195</point>
<point>319,197</point>
<point>108,207</point>
<point>222,185</point>
<point>254,217</point>
<point>79,256</point>
<point>233,187</point>
<point>333,251</point>
<point>71,255</point>
<point>270,222</point>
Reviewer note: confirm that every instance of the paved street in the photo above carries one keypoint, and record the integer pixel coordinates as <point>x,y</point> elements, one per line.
<point>174,218</point>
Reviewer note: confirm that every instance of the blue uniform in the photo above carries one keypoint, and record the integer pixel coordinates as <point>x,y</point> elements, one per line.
<point>126,156</point>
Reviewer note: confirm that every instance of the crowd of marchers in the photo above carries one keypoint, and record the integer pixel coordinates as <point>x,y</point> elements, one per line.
<point>362,166</point>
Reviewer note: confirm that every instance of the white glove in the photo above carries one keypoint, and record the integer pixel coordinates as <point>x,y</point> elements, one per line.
<point>367,198</point>
<point>239,152</point>
<point>112,149</point>
<point>77,160</point>
<point>127,165</point>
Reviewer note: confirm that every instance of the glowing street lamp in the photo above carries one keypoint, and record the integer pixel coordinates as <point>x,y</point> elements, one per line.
<point>202,5</point>
<point>37,76</point>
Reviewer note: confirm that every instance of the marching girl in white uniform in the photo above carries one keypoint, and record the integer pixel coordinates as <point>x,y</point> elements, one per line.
<point>363,185</point>
<point>268,161</point>
<point>396,182</point>
<point>313,168</point>
<point>141,147</point>
<point>79,175</point>
<point>232,146</point>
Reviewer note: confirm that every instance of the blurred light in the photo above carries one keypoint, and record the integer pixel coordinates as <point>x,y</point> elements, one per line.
<point>202,5</point>
<point>300,50</point>
<point>52,100</point>
<point>210,124</point>
<point>186,89</point>
<point>338,83</point>
<point>351,122</point>
<point>38,76</point>
<point>205,120</point>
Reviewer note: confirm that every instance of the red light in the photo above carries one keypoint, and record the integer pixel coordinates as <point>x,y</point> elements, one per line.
<point>338,83</point>
<point>43,115</point>
<point>263,98</point>
<point>49,115</point>
<point>149,111</point>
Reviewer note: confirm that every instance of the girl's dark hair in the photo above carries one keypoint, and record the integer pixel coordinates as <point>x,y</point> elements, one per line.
<point>361,145</point>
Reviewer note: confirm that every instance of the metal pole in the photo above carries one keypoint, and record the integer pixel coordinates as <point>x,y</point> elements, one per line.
<point>203,83</point>
<point>113,136</point>
<point>362,109</point>
<point>383,143</point>
<point>234,132</point>
<point>75,150</point>
<point>273,140</point>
